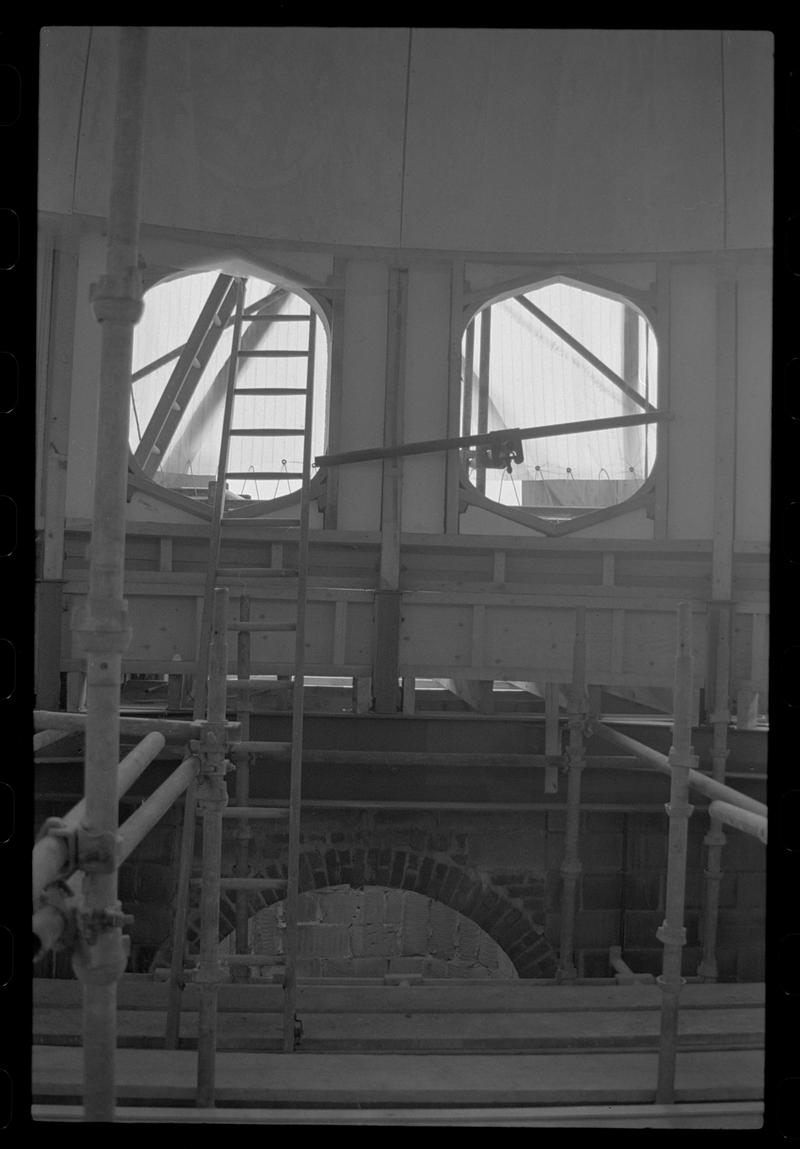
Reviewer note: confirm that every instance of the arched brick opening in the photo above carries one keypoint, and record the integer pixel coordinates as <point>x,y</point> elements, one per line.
<point>505,917</point>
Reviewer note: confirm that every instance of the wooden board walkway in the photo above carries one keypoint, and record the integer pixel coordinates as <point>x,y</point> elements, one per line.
<point>268,1079</point>
<point>509,1017</point>
<point>361,1032</point>
<point>708,1115</point>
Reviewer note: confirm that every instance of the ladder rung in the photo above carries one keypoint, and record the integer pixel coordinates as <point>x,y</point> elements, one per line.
<point>264,812</point>
<point>258,572</point>
<point>276,318</point>
<point>273,354</point>
<point>271,431</point>
<point>246,883</point>
<point>270,391</point>
<point>254,627</point>
<point>263,474</point>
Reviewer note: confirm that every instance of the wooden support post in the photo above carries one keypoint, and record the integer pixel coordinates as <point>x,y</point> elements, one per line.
<point>552,738</point>
<point>661,469</point>
<point>362,695</point>
<point>453,480</point>
<point>469,379</point>
<point>719,635</point>
<point>386,655</point>
<point>102,626</point>
<point>571,868</point>
<point>409,695</point>
<point>483,394</point>
<point>49,600</point>
<point>672,933</point>
<point>212,797</point>
<point>336,386</point>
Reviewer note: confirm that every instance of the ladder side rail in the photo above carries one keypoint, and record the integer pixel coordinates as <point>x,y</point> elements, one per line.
<point>244,830</point>
<point>296,768</point>
<point>215,541</point>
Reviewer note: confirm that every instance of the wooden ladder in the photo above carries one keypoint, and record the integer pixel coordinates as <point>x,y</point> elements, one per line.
<point>252,579</point>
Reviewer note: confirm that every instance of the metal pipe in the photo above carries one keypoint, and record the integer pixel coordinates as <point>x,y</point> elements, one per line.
<point>169,727</point>
<point>715,838</point>
<point>698,781</point>
<point>742,820</point>
<point>244,832</point>
<point>102,626</point>
<point>672,932</point>
<point>483,394</point>
<point>50,853</point>
<point>571,867</point>
<point>153,809</point>
<point>392,509</point>
<point>186,859</point>
<point>581,426</point>
<point>213,798</point>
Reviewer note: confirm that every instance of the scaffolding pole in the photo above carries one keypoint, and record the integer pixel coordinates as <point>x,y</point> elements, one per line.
<point>101,628</point>
<point>571,867</point>
<point>212,799</point>
<point>672,933</point>
<point>715,838</point>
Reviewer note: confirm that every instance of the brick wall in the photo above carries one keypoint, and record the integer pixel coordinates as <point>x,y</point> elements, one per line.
<point>499,871</point>
<point>377,931</point>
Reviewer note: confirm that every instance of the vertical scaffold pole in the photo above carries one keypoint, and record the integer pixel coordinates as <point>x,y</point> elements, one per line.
<point>244,831</point>
<point>101,628</point>
<point>672,932</point>
<point>715,838</point>
<point>212,799</point>
<point>571,866</point>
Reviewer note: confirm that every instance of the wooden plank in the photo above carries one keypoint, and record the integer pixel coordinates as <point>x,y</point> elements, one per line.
<point>707,1115</point>
<point>724,434</point>
<point>386,652</point>
<point>453,473</point>
<point>474,1031</point>
<point>617,641</point>
<point>661,469</point>
<point>339,631</point>
<point>141,992</point>
<point>48,618</point>
<point>552,736</point>
<point>431,1079</point>
<point>335,386</point>
<point>408,704</point>
<point>389,576</point>
<point>608,568</point>
<point>56,407</point>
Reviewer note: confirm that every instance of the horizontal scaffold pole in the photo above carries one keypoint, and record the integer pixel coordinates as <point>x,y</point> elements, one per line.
<point>488,438</point>
<point>279,752</point>
<point>697,780</point>
<point>50,854</point>
<point>155,807</point>
<point>743,820</point>
<point>169,727</point>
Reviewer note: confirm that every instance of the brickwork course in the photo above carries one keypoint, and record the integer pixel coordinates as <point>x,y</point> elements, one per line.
<point>496,874</point>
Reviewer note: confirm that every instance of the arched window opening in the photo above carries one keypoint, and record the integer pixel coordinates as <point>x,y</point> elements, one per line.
<point>560,354</point>
<point>181,366</point>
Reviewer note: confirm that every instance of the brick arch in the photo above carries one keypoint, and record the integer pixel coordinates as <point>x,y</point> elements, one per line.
<point>490,905</point>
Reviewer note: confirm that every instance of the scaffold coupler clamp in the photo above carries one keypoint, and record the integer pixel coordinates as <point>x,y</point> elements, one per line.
<point>94,853</point>
<point>101,952</point>
<point>671,935</point>
<point>118,297</point>
<point>58,899</point>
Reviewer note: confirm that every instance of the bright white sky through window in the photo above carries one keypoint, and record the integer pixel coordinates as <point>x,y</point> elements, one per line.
<point>190,458</point>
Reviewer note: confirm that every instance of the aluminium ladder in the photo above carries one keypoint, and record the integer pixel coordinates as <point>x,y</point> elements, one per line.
<point>216,577</point>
